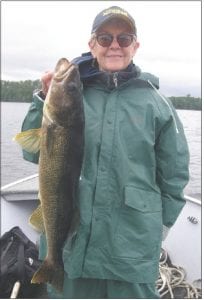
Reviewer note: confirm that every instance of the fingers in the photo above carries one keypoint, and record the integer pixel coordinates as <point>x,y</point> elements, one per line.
<point>45,80</point>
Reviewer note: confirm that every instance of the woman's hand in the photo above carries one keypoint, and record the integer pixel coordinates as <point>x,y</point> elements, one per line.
<point>45,81</point>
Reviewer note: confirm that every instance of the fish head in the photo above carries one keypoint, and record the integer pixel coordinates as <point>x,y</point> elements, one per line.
<point>65,92</point>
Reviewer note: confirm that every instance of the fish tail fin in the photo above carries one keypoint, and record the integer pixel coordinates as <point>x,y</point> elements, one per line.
<point>50,273</point>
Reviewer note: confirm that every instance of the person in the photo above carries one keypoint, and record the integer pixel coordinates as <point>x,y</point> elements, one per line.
<point>134,170</point>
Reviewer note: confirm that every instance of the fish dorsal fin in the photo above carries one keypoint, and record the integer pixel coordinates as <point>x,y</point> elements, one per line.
<point>29,140</point>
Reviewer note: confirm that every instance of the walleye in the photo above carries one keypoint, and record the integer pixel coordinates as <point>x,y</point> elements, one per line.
<point>61,142</point>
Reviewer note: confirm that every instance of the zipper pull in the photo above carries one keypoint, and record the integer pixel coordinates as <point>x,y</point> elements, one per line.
<point>115,79</point>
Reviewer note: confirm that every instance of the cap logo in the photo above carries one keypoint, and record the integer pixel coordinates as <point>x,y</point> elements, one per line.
<point>115,11</point>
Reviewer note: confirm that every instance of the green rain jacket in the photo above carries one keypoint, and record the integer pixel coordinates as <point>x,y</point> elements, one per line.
<point>134,172</point>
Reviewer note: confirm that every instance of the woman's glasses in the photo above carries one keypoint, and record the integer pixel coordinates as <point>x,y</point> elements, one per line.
<point>123,39</point>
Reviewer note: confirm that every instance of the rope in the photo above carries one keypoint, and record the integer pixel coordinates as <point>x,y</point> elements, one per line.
<point>171,282</point>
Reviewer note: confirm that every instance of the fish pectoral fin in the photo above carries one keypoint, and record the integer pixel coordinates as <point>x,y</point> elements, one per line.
<point>36,219</point>
<point>29,140</point>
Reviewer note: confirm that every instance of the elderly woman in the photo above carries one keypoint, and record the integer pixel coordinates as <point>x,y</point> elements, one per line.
<point>134,170</point>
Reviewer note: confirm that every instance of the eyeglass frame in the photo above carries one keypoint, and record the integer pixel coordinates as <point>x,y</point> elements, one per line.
<point>95,36</point>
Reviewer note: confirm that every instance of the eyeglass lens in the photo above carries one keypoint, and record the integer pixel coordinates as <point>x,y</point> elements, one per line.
<point>105,40</point>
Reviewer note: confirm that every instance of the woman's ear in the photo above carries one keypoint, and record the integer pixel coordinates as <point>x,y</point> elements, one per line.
<point>136,46</point>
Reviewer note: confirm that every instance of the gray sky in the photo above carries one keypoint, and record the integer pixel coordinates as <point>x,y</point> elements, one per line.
<point>35,34</point>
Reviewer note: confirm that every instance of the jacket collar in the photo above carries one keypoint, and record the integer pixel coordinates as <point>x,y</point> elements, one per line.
<point>90,73</point>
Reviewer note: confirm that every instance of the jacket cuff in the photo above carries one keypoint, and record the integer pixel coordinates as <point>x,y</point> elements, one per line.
<point>39,102</point>
<point>41,95</point>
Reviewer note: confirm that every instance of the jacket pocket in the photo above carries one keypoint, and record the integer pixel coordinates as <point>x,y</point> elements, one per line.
<point>139,227</point>
<point>142,200</point>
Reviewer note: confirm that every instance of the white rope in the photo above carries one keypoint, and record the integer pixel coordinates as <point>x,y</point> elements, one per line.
<point>15,290</point>
<point>172,278</point>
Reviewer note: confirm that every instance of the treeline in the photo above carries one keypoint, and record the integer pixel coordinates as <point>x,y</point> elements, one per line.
<point>22,91</point>
<point>186,102</point>
<point>18,91</point>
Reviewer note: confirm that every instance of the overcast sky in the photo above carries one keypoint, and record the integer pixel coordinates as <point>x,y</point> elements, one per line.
<point>35,34</point>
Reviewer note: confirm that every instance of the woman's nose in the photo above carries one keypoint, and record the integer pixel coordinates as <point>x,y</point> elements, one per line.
<point>114,43</point>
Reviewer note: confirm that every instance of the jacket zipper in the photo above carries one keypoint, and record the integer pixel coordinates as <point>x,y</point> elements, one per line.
<point>115,79</point>
<point>166,104</point>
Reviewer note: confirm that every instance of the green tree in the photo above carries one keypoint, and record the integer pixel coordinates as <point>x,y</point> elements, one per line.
<point>18,91</point>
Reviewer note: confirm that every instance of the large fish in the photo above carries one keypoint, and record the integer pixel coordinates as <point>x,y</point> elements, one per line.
<point>61,142</point>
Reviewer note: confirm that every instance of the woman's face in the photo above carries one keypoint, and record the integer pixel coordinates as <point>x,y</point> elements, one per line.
<point>113,58</point>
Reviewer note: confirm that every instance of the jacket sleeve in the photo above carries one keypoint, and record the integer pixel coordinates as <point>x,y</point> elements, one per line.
<point>33,119</point>
<point>172,158</point>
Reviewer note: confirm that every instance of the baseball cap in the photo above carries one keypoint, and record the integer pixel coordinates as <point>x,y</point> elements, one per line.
<point>111,13</point>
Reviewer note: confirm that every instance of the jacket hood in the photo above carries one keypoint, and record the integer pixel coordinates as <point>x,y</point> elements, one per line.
<point>90,72</point>
<point>86,66</point>
<point>150,77</point>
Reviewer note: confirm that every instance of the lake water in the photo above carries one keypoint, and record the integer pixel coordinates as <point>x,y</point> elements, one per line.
<point>14,167</point>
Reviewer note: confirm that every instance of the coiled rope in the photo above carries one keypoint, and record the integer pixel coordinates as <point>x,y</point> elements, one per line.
<point>172,284</point>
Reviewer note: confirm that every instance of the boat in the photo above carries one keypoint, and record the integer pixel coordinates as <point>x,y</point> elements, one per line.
<point>182,243</point>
